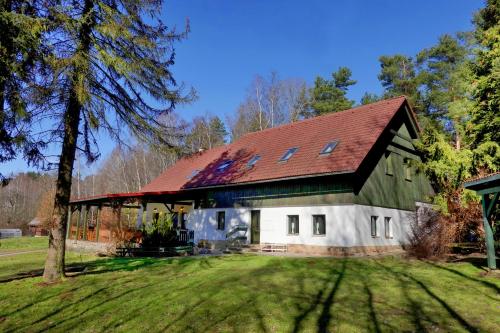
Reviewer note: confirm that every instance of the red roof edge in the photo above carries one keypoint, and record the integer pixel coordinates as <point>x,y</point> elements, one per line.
<point>124,195</point>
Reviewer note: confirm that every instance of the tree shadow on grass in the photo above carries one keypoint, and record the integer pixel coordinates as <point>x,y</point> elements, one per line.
<point>487,284</point>
<point>326,316</point>
<point>307,305</point>
<point>101,266</point>
<point>416,310</point>
<point>466,325</point>
<point>70,268</point>
<point>88,309</point>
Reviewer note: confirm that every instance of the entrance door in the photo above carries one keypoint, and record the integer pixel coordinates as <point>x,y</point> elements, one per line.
<point>255,227</point>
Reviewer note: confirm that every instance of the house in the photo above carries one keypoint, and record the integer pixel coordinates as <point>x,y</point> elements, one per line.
<point>345,182</point>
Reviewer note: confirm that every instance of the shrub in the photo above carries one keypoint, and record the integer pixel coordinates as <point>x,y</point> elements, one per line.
<point>160,233</point>
<point>433,233</point>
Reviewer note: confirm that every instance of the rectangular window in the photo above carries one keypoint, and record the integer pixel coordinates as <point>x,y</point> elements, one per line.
<point>388,227</point>
<point>289,153</point>
<point>373,226</point>
<point>330,146</point>
<point>293,224</point>
<point>224,165</point>
<point>319,225</point>
<point>221,220</point>
<point>407,170</point>
<point>388,164</point>
<point>253,160</point>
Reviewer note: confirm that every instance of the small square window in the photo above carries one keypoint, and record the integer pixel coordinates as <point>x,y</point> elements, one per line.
<point>388,165</point>
<point>221,220</point>
<point>373,226</point>
<point>388,227</point>
<point>293,224</point>
<point>289,153</point>
<point>329,147</point>
<point>319,225</point>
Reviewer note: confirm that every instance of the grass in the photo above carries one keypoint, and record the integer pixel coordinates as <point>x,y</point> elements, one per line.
<point>12,267</point>
<point>23,243</point>
<point>251,293</point>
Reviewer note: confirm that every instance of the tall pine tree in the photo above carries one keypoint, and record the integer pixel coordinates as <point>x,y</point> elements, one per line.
<point>485,129</point>
<point>330,95</point>
<point>111,70</point>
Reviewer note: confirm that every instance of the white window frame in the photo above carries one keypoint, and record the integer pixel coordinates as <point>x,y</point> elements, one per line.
<point>377,229</point>
<point>313,231</point>
<point>288,225</point>
<point>388,227</point>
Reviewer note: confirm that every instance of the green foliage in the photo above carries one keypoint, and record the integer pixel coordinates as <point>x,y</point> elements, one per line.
<point>330,95</point>
<point>446,166</point>
<point>455,91</point>
<point>368,98</point>
<point>117,67</point>
<point>398,77</point>
<point>207,132</point>
<point>20,61</point>
<point>159,233</point>
<point>218,130</point>
<point>438,77</point>
<point>485,122</point>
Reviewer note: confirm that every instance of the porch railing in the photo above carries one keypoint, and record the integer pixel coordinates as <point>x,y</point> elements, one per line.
<point>185,236</point>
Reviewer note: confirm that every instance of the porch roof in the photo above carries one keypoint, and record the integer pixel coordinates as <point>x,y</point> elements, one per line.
<point>110,197</point>
<point>484,185</point>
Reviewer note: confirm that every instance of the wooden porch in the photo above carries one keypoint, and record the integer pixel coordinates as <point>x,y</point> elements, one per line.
<point>121,218</point>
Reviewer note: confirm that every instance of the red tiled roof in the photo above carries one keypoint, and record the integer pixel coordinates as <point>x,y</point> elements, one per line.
<point>356,129</point>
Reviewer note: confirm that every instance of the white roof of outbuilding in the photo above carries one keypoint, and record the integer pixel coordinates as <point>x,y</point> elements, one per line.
<point>35,222</point>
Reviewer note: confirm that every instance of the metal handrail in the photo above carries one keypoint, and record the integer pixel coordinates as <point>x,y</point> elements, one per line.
<point>240,227</point>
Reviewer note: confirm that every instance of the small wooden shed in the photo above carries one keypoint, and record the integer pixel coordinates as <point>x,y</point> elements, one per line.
<point>37,228</point>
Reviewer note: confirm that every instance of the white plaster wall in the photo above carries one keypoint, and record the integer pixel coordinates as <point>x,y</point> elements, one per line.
<point>204,222</point>
<point>401,226</point>
<point>346,225</point>
<point>339,226</point>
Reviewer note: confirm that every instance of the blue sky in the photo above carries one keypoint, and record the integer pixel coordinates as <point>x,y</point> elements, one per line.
<point>232,41</point>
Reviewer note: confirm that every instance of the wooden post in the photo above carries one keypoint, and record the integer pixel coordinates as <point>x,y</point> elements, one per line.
<point>149,215</point>
<point>140,214</point>
<point>98,223</point>
<point>68,225</point>
<point>488,232</point>
<point>85,224</point>
<point>78,220</point>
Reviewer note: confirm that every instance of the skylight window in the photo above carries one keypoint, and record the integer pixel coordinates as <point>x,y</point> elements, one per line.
<point>224,165</point>
<point>329,147</point>
<point>193,174</point>
<point>253,160</point>
<point>289,153</point>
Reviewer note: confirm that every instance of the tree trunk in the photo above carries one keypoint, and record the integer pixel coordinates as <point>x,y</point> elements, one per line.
<point>54,264</point>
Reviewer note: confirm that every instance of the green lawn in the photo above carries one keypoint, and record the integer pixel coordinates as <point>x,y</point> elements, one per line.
<point>23,244</point>
<point>251,293</point>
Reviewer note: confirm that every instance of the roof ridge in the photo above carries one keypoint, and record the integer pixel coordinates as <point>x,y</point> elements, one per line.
<point>321,116</point>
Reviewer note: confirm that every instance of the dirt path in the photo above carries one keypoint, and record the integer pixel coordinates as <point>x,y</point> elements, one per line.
<point>7,254</point>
